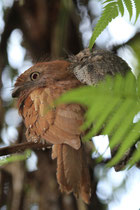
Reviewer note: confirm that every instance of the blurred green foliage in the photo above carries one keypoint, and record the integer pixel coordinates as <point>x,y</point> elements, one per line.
<point>111,108</point>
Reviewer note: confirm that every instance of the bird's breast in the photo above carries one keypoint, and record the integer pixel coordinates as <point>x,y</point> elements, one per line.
<point>56,125</point>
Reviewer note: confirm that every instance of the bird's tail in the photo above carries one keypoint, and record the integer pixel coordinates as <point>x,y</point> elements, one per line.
<point>72,171</point>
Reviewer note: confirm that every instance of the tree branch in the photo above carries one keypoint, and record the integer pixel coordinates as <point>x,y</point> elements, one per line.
<point>22,147</point>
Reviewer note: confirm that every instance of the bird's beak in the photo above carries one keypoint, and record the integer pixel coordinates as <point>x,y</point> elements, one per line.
<point>16,92</point>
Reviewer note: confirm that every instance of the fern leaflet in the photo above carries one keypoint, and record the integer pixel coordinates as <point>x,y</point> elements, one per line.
<point>137,6</point>
<point>110,12</point>
<point>121,7</point>
<point>129,7</point>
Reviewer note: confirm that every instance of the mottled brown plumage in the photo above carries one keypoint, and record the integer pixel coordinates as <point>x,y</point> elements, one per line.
<point>36,89</point>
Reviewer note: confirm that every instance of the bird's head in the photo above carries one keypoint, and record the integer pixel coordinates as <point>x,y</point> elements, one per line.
<point>41,75</point>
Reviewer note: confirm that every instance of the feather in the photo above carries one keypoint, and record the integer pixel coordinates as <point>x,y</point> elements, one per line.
<point>68,120</point>
<point>72,172</point>
<point>85,183</point>
<point>72,167</point>
<point>57,136</point>
<point>61,178</point>
<point>54,151</point>
<point>41,125</point>
<point>43,102</point>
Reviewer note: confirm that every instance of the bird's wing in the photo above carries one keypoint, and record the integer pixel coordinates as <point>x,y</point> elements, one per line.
<point>56,125</point>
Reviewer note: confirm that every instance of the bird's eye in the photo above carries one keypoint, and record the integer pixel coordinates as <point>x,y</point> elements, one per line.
<point>34,75</point>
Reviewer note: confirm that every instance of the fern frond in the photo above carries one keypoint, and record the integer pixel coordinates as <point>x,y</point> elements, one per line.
<point>112,106</point>
<point>129,141</point>
<point>129,6</point>
<point>137,6</point>
<point>108,1</point>
<point>121,7</point>
<point>136,157</point>
<point>110,11</point>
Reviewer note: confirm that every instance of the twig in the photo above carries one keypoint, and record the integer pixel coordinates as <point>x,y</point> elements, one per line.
<point>21,147</point>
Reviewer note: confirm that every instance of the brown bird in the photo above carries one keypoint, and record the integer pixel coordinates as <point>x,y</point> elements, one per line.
<point>36,89</point>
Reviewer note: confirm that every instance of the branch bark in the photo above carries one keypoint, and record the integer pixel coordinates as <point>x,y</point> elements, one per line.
<point>17,148</point>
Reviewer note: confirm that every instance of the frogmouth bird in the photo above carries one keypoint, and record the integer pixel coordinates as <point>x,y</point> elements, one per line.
<point>36,90</point>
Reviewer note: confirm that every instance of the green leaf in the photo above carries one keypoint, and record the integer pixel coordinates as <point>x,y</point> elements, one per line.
<point>130,140</point>
<point>137,5</point>
<point>15,157</point>
<point>136,156</point>
<point>118,116</point>
<point>110,11</point>
<point>129,7</point>
<point>121,7</point>
<point>108,1</point>
<point>111,107</point>
<point>124,127</point>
